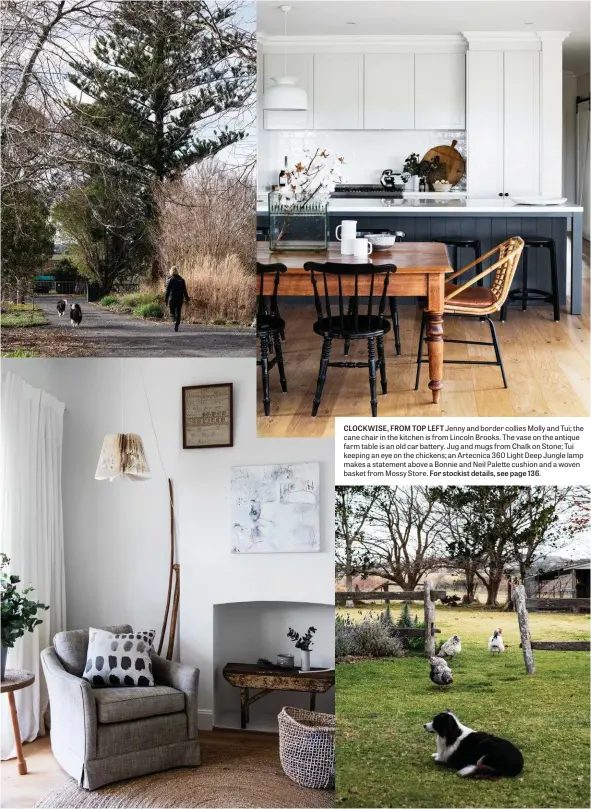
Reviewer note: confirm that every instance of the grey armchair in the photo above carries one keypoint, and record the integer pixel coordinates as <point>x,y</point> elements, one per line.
<point>102,735</point>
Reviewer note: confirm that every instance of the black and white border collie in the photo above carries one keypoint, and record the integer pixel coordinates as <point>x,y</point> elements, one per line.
<point>61,307</point>
<point>473,753</point>
<point>75,314</point>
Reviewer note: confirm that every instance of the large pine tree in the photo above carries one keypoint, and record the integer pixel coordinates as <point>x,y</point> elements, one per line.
<point>163,76</point>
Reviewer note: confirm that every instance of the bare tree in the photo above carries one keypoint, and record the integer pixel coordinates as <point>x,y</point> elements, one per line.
<point>405,539</point>
<point>353,505</point>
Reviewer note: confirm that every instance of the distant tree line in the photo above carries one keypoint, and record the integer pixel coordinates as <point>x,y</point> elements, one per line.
<point>483,532</point>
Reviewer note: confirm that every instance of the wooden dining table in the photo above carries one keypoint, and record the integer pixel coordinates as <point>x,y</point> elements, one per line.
<point>421,268</point>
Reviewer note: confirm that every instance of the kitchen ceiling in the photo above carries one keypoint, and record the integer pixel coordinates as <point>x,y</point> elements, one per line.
<point>388,17</point>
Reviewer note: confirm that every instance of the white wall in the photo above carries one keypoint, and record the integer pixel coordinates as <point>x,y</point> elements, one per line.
<point>117,534</point>
<point>367,152</point>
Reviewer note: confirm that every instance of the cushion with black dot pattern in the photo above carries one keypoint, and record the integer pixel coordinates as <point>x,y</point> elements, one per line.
<point>117,660</point>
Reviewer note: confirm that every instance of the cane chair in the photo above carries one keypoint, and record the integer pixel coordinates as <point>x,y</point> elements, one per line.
<point>270,330</point>
<point>458,243</point>
<point>356,315</point>
<point>479,301</point>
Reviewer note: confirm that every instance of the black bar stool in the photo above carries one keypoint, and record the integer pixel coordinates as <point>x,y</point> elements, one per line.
<point>526,294</point>
<point>270,328</point>
<point>458,242</point>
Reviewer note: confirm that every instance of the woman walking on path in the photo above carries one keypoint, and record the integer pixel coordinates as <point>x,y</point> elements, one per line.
<point>176,294</point>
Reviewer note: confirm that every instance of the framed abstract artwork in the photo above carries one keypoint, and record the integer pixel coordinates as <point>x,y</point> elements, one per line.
<point>208,416</point>
<point>276,509</point>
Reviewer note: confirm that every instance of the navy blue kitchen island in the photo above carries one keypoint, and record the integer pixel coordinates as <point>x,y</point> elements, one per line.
<point>490,221</point>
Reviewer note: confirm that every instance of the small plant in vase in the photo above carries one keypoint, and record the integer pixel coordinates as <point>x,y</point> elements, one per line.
<point>303,643</point>
<point>19,613</point>
<point>412,170</point>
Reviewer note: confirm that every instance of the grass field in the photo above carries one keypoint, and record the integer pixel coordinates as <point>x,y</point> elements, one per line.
<point>21,314</point>
<point>384,754</point>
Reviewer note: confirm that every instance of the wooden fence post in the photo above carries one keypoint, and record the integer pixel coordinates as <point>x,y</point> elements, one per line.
<point>523,619</point>
<point>429,622</point>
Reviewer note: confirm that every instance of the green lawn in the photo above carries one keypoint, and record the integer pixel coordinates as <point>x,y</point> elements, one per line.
<point>384,754</point>
<point>21,314</point>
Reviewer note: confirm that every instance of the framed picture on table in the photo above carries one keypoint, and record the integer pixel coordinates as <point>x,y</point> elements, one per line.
<point>208,416</point>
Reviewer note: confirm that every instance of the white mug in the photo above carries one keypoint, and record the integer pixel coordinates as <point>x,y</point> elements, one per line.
<point>347,247</point>
<point>362,248</point>
<point>348,228</point>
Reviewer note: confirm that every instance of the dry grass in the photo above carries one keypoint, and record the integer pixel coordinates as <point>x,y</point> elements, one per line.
<point>208,229</point>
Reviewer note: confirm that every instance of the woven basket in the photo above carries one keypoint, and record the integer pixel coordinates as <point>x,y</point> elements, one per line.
<point>306,747</point>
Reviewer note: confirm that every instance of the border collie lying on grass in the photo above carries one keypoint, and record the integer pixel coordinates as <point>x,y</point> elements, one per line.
<point>473,753</point>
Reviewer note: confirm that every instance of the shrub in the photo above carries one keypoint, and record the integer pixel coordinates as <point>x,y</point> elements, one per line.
<point>135,299</point>
<point>148,310</point>
<point>408,622</point>
<point>369,638</point>
<point>108,300</point>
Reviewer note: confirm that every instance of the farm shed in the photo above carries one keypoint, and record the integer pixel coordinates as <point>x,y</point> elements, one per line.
<point>570,580</point>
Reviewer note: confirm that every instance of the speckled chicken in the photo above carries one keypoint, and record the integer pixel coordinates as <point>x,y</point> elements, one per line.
<point>440,674</point>
<point>495,642</point>
<point>451,647</point>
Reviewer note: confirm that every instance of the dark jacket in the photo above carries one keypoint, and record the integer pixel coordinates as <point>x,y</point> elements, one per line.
<point>176,290</point>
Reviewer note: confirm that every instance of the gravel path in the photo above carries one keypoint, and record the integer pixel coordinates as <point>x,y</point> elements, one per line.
<point>116,335</point>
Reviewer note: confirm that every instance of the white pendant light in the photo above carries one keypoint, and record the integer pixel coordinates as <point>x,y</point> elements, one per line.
<point>122,456</point>
<point>284,94</point>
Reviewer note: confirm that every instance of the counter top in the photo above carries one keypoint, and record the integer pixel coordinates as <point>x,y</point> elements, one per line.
<point>430,206</point>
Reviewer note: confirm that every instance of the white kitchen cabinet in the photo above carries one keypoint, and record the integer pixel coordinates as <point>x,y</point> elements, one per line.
<point>522,123</point>
<point>389,91</point>
<point>338,91</point>
<point>484,123</point>
<point>300,65</point>
<point>440,91</point>
<point>503,123</point>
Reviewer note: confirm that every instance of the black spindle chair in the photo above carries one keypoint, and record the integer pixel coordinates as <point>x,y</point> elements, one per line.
<point>351,315</point>
<point>270,330</point>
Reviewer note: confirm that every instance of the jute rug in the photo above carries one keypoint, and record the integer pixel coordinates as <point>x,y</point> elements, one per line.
<point>230,777</point>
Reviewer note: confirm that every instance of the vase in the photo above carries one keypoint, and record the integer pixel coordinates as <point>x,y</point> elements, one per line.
<point>297,224</point>
<point>305,663</point>
<point>4,654</point>
<point>413,183</point>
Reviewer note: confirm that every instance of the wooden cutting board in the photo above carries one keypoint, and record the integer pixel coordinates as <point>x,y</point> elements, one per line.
<point>453,160</point>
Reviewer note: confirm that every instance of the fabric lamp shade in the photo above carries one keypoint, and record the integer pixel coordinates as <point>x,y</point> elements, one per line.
<point>122,456</point>
<point>285,95</point>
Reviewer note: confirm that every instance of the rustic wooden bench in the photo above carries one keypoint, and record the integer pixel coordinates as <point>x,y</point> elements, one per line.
<point>248,675</point>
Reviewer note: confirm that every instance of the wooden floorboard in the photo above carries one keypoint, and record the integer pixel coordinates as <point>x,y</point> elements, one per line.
<point>24,791</point>
<point>547,367</point>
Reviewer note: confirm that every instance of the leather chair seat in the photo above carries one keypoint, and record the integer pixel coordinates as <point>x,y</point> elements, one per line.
<point>475,296</point>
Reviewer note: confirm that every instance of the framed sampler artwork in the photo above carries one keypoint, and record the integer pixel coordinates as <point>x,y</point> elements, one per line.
<point>208,416</point>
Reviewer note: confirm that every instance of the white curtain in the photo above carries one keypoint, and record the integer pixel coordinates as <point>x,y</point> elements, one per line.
<point>32,534</point>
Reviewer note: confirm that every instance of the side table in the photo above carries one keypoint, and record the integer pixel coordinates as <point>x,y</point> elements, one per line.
<point>14,680</point>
